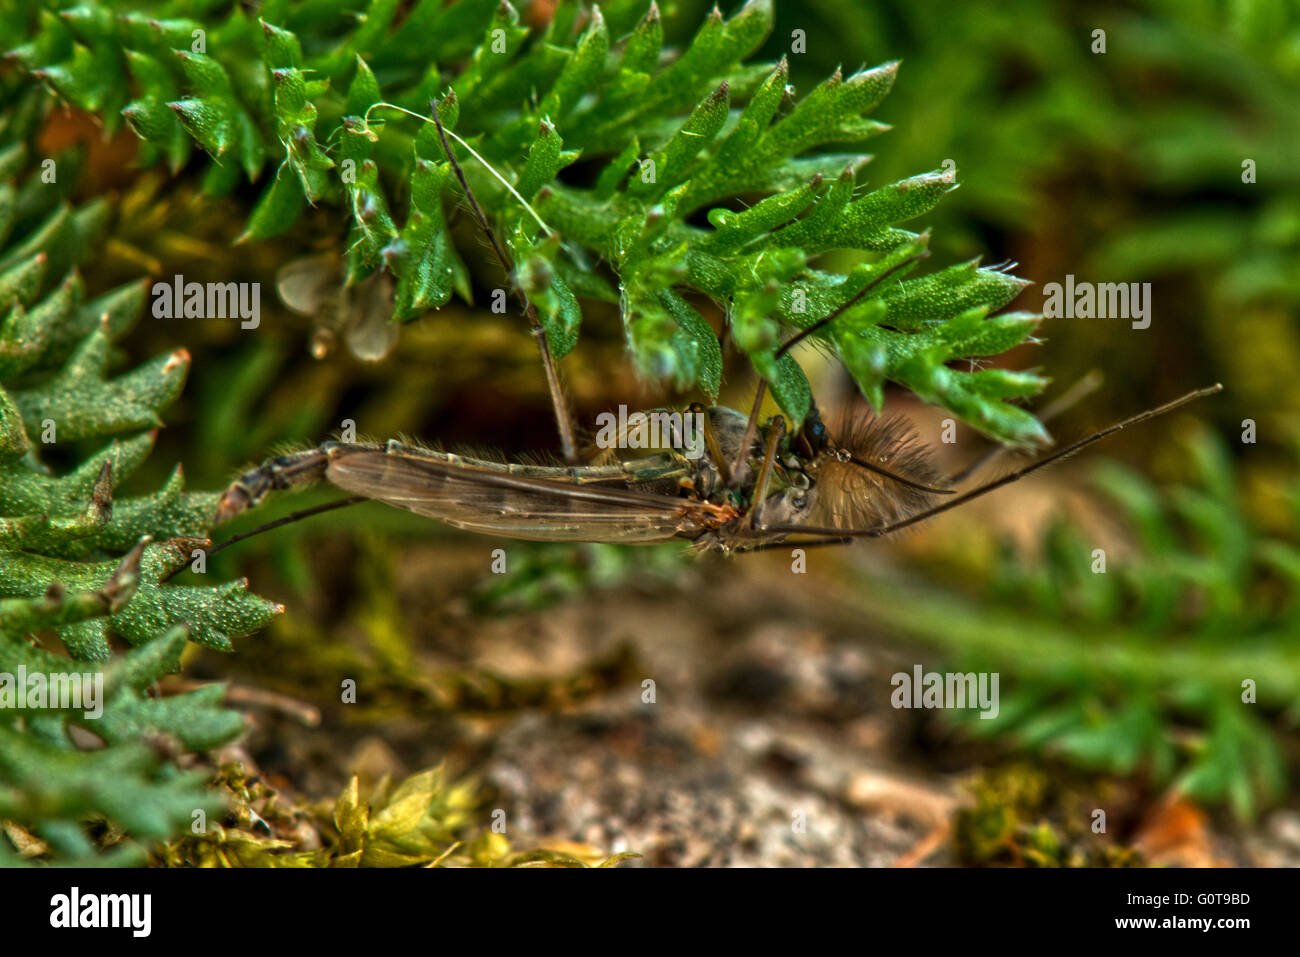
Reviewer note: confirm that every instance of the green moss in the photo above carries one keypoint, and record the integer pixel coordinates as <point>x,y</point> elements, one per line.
<point>81,566</point>
<point>426,820</point>
<point>326,110</point>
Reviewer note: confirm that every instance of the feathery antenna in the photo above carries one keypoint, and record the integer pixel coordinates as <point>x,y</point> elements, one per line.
<point>1015,476</point>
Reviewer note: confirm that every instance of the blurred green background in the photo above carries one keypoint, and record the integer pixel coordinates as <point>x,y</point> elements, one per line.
<point>1123,166</point>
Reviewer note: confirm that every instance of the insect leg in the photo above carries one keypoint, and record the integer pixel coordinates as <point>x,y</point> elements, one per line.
<point>739,470</point>
<point>741,466</point>
<point>715,448</point>
<point>286,520</point>
<point>1083,388</point>
<point>811,543</point>
<point>854,300</point>
<point>563,417</point>
<point>776,433</point>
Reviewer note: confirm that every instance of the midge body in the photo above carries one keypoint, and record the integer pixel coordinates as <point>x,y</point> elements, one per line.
<point>675,492</point>
<point>753,486</point>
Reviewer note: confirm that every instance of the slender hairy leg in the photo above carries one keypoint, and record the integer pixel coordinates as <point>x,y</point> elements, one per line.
<point>810,543</point>
<point>711,443</point>
<point>289,519</point>
<point>563,417</point>
<point>1089,384</point>
<point>776,432</point>
<point>741,466</point>
<point>839,310</point>
<point>864,464</point>
<point>286,520</point>
<point>879,530</point>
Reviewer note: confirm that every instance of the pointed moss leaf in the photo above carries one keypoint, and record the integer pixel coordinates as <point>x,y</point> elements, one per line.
<point>820,116</point>
<point>946,293</point>
<point>82,402</point>
<point>610,177</point>
<point>697,340</point>
<point>733,230</point>
<point>20,282</point>
<point>791,390</point>
<point>278,208</point>
<point>672,162</point>
<point>582,70</point>
<point>282,47</point>
<point>363,92</point>
<point>545,159</point>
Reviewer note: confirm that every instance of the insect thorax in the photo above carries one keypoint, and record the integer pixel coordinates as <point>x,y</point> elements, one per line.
<point>791,487</point>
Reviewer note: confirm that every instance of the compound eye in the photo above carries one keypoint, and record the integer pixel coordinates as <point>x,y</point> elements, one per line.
<point>818,432</point>
<point>799,502</point>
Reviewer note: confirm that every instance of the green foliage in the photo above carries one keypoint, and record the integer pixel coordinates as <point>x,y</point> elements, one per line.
<point>80,566</point>
<point>1150,673</point>
<point>667,142</point>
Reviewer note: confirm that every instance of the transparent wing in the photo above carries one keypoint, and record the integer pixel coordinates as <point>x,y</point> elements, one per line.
<point>512,505</point>
<point>310,284</point>
<point>370,334</point>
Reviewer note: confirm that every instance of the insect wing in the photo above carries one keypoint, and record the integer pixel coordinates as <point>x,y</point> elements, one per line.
<point>481,500</point>
<point>309,285</point>
<point>370,335</point>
